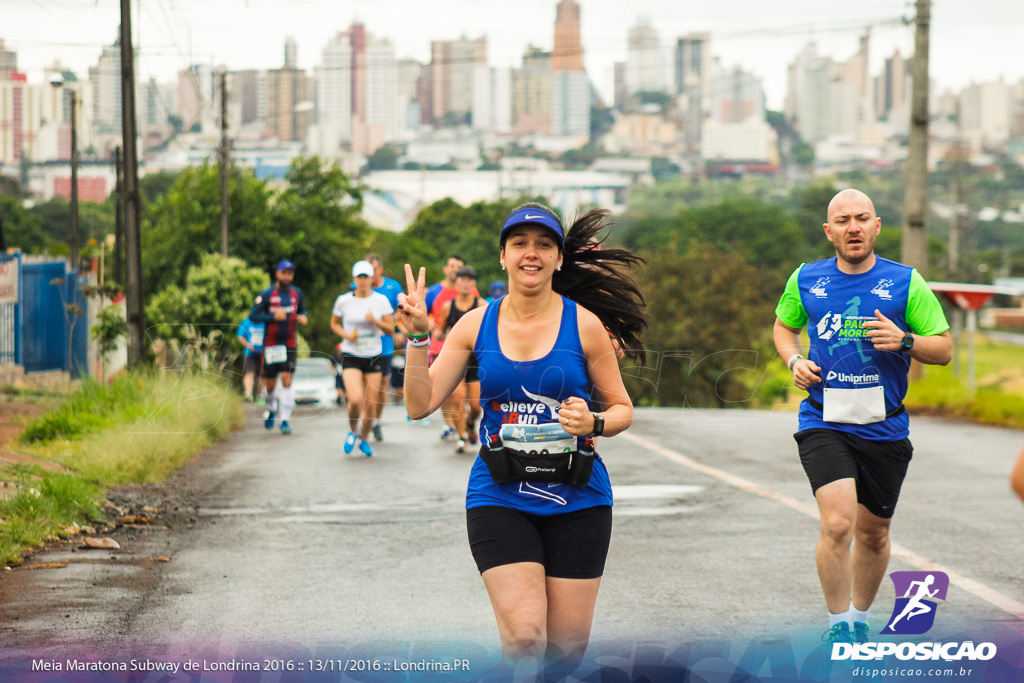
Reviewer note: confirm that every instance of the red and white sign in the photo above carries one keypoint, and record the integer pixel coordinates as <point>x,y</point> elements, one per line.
<point>9,282</point>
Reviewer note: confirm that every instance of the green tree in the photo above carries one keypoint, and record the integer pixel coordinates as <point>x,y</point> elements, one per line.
<point>95,220</point>
<point>218,293</point>
<point>22,228</point>
<point>710,339</point>
<point>383,159</point>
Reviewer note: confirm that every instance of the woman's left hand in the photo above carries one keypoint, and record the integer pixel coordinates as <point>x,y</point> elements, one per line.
<point>575,416</point>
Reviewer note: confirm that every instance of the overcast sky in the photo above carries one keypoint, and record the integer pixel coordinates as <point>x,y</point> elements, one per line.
<point>976,40</point>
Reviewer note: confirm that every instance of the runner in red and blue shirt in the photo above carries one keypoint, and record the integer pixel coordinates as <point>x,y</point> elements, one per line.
<point>281,308</point>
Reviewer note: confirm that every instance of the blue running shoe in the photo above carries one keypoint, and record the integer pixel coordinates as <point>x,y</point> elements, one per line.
<point>364,448</point>
<point>448,434</point>
<point>860,631</point>
<point>350,442</point>
<point>840,633</point>
<point>268,418</point>
<point>286,428</point>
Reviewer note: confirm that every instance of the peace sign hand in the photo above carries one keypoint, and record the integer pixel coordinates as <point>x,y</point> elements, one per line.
<point>412,307</point>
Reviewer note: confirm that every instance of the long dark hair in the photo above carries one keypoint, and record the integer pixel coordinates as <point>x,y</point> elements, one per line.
<point>597,278</point>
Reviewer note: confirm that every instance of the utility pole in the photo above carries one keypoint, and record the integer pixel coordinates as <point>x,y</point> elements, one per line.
<point>132,241</point>
<point>224,163</point>
<point>915,202</point>
<point>119,218</point>
<point>74,181</point>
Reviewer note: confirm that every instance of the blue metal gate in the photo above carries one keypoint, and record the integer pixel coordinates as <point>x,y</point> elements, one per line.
<point>46,291</point>
<point>10,320</point>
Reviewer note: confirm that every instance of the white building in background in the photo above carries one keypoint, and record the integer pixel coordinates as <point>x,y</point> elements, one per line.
<point>105,81</point>
<point>809,97</point>
<point>492,99</point>
<point>750,140</point>
<point>409,77</point>
<point>986,111</point>
<point>381,89</point>
<point>570,104</point>
<point>646,60</point>
<point>334,97</point>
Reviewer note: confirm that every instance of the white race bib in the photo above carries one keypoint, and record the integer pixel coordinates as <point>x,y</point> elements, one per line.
<point>275,354</point>
<point>367,342</point>
<point>854,406</point>
<point>546,439</point>
<point>256,336</point>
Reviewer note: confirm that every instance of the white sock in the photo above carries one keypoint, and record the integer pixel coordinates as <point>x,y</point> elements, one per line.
<point>857,615</point>
<point>834,619</point>
<point>287,402</point>
<point>272,401</point>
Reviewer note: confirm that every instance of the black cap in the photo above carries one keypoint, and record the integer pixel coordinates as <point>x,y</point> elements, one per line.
<point>466,271</point>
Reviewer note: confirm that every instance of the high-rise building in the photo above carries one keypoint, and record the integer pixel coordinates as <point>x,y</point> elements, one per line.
<point>105,80</point>
<point>570,104</point>
<point>409,104</point>
<point>291,53</point>
<point>8,62</point>
<point>452,64</point>
<point>893,91</point>
<point>986,111</point>
<point>334,93</point>
<point>197,97</point>
<point>286,89</point>
<point>809,95</point>
<point>13,115</point>
<point>736,96</point>
<point>646,68</point>
<point>567,54</point>
<point>245,88</point>
<point>531,93</point>
<point>692,79</point>
<point>380,80</point>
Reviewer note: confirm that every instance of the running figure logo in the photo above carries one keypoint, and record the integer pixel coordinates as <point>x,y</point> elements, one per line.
<point>914,613</point>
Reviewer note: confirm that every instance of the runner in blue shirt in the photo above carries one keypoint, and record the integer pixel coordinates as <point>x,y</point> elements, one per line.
<point>866,317</point>
<point>250,335</point>
<point>539,499</point>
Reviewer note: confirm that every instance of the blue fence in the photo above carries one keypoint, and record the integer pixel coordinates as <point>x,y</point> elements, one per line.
<point>48,296</point>
<point>10,319</point>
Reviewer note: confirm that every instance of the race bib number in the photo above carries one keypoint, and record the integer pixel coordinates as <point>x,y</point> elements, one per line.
<point>275,354</point>
<point>546,439</point>
<point>854,406</point>
<point>256,336</point>
<point>366,343</point>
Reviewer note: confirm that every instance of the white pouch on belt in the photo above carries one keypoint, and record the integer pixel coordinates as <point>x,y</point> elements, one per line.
<point>854,406</point>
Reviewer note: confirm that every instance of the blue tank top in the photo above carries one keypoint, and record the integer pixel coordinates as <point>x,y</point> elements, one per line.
<point>838,304</point>
<point>529,392</point>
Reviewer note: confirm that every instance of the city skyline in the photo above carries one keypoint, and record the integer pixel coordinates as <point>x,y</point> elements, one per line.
<point>966,41</point>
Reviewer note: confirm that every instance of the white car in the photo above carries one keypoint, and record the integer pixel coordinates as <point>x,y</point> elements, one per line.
<point>313,382</point>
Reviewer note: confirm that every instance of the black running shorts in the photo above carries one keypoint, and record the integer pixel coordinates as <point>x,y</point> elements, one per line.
<point>879,467</point>
<point>365,365</point>
<point>272,370</point>
<point>573,545</point>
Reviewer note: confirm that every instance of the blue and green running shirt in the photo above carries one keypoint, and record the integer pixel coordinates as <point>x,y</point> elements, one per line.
<point>834,306</point>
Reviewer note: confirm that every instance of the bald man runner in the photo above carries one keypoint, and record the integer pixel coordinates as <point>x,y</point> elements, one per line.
<point>866,318</point>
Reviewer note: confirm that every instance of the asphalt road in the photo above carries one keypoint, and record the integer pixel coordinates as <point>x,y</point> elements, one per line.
<point>296,545</point>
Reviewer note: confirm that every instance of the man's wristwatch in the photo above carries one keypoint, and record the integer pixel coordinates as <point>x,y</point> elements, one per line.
<point>598,425</point>
<point>907,343</point>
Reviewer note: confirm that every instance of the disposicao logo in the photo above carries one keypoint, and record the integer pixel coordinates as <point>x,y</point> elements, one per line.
<point>917,594</point>
<point>914,613</point>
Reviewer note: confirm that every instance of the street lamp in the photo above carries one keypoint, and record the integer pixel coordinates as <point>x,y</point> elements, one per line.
<point>57,81</point>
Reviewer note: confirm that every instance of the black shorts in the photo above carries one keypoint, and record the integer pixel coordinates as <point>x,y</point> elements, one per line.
<point>272,370</point>
<point>385,364</point>
<point>397,377</point>
<point>573,545</point>
<point>253,363</point>
<point>363,364</point>
<point>879,467</point>
<point>472,373</point>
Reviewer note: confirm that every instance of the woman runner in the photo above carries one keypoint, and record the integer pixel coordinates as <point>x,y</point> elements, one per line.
<point>546,365</point>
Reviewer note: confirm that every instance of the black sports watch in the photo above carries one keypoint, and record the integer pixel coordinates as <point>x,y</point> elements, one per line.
<point>598,425</point>
<point>907,343</point>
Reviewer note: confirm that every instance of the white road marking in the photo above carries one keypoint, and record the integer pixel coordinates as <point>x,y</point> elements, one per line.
<point>980,590</point>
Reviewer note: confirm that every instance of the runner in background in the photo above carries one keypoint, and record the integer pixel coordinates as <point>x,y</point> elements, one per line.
<point>498,290</point>
<point>250,336</point>
<point>390,288</point>
<point>436,297</point>
<point>467,395</point>
<point>280,308</point>
<point>362,318</point>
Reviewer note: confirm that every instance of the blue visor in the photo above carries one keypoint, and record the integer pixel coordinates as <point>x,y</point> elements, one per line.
<point>533,216</point>
<point>286,265</point>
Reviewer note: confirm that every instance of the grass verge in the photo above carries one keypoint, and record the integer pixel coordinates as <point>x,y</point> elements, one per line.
<point>138,428</point>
